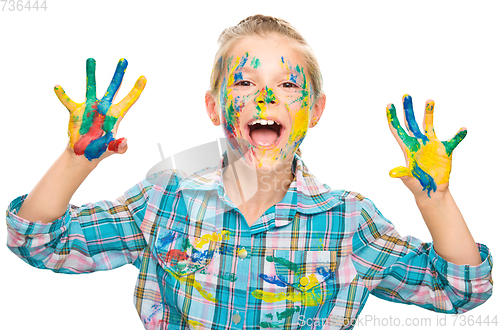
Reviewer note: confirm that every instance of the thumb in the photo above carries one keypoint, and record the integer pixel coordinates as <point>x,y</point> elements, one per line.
<point>118,146</point>
<point>400,172</point>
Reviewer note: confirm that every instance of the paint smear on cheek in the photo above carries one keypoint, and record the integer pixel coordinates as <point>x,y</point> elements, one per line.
<point>233,102</point>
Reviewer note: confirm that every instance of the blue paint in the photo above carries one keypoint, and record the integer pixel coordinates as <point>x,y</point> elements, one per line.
<point>238,76</point>
<point>272,280</point>
<point>154,309</point>
<point>116,81</point>
<point>324,271</point>
<point>225,250</point>
<point>197,256</point>
<point>410,119</point>
<point>425,179</point>
<point>98,146</point>
<point>243,61</point>
<point>167,239</point>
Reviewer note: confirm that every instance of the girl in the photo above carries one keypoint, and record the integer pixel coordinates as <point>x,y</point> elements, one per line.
<point>257,242</point>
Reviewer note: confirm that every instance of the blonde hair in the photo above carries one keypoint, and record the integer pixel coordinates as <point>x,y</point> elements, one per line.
<point>264,26</point>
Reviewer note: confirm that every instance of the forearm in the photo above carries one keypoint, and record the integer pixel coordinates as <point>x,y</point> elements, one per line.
<point>451,237</point>
<point>49,199</point>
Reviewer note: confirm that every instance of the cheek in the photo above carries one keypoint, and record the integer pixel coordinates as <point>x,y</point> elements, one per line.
<point>233,104</point>
<point>299,109</point>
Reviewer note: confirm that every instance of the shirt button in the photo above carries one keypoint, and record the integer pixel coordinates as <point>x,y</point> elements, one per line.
<point>236,318</point>
<point>242,253</point>
<point>181,264</point>
<point>304,281</point>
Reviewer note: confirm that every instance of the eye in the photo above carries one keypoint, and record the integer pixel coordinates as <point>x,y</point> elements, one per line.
<point>289,85</point>
<point>245,83</point>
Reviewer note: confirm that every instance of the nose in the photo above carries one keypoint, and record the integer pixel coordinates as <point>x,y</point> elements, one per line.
<point>266,96</point>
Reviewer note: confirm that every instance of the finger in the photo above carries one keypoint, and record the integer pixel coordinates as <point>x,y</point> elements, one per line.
<point>404,140</point>
<point>410,122</point>
<point>116,81</point>
<point>399,172</point>
<point>65,100</point>
<point>91,89</point>
<point>118,146</point>
<point>124,105</point>
<point>429,119</point>
<point>452,143</point>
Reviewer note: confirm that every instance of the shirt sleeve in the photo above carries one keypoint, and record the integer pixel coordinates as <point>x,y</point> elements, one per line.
<point>92,237</point>
<point>406,270</point>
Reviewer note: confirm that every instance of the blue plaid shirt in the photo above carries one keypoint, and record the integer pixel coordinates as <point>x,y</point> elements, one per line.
<point>308,262</point>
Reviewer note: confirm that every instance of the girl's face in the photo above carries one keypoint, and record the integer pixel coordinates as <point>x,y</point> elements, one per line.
<point>265,100</point>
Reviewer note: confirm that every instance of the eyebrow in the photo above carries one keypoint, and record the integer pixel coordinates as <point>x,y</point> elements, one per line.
<point>281,70</point>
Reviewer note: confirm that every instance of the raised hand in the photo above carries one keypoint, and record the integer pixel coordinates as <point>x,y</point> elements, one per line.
<point>428,160</point>
<point>93,123</point>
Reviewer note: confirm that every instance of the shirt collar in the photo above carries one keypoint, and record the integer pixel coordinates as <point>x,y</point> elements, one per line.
<point>306,194</point>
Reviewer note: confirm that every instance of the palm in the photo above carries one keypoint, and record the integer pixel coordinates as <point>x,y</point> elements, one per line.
<point>93,123</point>
<point>428,160</point>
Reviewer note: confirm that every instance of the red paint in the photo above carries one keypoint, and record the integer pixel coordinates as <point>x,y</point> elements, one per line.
<point>113,145</point>
<point>174,254</point>
<point>95,132</point>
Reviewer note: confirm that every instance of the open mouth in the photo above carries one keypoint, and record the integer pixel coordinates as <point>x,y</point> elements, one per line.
<point>265,133</point>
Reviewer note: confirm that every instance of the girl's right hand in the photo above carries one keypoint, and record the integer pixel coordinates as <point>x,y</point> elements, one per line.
<point>93,124</point>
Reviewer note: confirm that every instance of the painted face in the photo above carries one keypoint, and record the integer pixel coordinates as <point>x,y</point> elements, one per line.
<point>265,99</point>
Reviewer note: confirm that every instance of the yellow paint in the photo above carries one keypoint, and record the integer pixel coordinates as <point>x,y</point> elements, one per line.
<point>214,237</point>
<point>312,281</point>
<point>189,280</point>
<point>195,324</point>
<point>310,298</point>
<point>431,158</point>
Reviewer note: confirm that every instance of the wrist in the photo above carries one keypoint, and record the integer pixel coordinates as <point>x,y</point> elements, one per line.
<point>436,199</point>
<point>79,161</point>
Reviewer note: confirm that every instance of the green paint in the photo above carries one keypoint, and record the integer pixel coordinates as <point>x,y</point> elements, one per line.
<point>186,244</point>
<point>255,63</point>
<point>228,277</point>
<point>270,97</point>
<point>88,118</point>
<point>287,312</point>
<point>109,123</point>
<point>281,261</point>
<point>229,61</point>
<point>231,116</point>
<point>452,144</point>
<point>269,315</point>
<point>409,141</point>
<point>274,325</point>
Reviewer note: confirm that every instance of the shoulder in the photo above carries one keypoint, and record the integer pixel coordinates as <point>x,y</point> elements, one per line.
<point>354,204</point>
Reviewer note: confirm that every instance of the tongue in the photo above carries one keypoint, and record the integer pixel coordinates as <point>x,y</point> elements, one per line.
<point>263,136</point>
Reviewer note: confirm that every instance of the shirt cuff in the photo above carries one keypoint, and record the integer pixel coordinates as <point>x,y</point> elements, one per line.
<point>464,272</point>
<point>28,228</point>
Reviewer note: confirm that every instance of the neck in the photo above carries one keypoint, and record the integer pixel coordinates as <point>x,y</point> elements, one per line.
<point>250,187</point>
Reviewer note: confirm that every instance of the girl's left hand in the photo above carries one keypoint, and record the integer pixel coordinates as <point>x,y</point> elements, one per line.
<point>428,160</point>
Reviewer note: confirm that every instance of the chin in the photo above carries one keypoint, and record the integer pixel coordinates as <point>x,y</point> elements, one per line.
<point>265,160</point>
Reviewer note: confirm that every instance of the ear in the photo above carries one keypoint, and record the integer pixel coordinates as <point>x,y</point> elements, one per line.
<point>317,109</point>
<point>211,106</point>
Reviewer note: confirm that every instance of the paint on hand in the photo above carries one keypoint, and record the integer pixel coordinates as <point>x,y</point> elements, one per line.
<point>91,124</point>
<point>429,159</point>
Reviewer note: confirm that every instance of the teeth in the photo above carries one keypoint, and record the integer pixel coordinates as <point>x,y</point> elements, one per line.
<point>263,122</point>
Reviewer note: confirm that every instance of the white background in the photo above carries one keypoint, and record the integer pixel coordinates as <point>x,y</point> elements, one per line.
<point>371,54</point>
